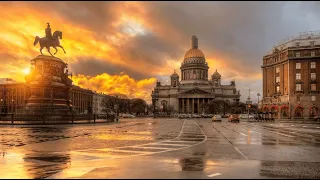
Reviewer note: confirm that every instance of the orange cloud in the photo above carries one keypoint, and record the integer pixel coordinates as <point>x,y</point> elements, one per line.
<point>122,83</point>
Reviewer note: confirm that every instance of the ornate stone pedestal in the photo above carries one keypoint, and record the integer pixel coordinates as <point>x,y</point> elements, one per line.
<point>49,86</point>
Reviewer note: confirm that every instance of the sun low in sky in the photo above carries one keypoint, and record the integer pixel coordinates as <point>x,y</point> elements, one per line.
<point>26,71</point>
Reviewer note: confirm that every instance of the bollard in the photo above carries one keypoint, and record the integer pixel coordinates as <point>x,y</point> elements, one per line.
<point>72,118</point>
<point>12,118</point>
<point>94,118</point>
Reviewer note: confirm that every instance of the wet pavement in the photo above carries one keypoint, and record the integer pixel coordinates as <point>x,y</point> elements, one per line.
<point>162,148</point>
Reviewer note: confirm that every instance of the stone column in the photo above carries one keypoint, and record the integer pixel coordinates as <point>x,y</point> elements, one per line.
<point>187,101</point>
<point>182,105</point>
<point>192,105</point>
<point>198,105</point>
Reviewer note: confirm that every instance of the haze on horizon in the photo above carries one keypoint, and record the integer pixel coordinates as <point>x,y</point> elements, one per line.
<point>123,47</point>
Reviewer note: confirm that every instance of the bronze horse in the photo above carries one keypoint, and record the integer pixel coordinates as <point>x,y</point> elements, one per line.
<point>47,42</point>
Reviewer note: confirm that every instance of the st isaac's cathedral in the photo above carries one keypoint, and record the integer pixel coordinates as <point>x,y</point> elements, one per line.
<point>194,89</point>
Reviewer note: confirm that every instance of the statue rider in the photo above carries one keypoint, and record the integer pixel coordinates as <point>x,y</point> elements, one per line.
<point>48,32</point>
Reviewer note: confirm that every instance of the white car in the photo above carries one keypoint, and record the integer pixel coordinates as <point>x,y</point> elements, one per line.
<point>251,116</point>
<point>216,118</point>
<point>243,116</point>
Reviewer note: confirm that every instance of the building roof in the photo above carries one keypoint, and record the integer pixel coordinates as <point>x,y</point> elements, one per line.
<point>174,74</point>
<point>8,81</point>
<point>216,73</point>
<point>304,39</point>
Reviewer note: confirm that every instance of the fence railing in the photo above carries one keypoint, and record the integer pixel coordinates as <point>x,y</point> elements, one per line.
<point>54,118</point>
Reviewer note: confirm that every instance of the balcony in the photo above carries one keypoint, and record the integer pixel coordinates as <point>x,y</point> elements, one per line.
<point>313,81</point>
<point>299,81</point>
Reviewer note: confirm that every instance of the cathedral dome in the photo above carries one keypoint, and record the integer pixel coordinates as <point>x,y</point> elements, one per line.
<point>194,53</point>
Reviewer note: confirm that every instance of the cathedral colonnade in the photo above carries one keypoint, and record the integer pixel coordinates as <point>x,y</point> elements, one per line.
<point>192,105</point>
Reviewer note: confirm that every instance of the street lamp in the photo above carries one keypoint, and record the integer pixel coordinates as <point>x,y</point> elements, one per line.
<point>13,107</point>
<point>258,99</point>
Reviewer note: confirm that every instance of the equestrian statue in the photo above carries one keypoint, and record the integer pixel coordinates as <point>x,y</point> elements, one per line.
<point>51,40</point>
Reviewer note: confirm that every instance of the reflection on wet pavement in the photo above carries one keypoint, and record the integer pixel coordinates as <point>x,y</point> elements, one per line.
<point>192,164</point>
<point>160,148</point>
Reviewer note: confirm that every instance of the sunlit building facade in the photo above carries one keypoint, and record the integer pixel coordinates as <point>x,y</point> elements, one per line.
<point>190,93</point>
<point>291,77</point>
<point>13,96</point>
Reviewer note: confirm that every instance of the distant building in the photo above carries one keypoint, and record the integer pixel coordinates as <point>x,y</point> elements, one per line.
<point>291,77</point>
<point>98,103</point>
<point>82,100</point>
<point>194,89</point>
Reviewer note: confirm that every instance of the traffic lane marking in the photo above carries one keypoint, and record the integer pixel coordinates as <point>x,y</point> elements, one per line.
<point>215,174</point>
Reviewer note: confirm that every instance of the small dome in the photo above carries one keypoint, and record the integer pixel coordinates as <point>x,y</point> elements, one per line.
<point>174,74</point>
<point>216,74</point>
<point>194,53</point>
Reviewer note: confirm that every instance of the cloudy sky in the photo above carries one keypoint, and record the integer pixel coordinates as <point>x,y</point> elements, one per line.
<point>124,47</point>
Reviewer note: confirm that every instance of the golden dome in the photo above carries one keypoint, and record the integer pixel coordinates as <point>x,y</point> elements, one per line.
<point>194,53</point>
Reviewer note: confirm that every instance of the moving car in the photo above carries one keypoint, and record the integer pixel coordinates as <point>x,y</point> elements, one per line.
<point>216,118</point>
<point>233,118</point>
<point>316,118</point>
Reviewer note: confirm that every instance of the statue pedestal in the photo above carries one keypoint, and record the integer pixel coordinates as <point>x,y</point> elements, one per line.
<point>49,86</point>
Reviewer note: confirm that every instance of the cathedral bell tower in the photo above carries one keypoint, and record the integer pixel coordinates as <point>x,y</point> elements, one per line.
<point>216,79</point>
<point>174,79</point>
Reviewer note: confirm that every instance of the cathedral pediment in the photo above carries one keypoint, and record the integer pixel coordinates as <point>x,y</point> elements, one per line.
<point>195,91</point>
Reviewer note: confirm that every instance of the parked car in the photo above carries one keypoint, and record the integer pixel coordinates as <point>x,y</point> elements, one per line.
<point>233,118</point>
<point>216,118</point>
<point>224,116</point>
<point>128,116</point>
<point>316,118</point>
<point>251,116</point>
<point>243,116</point>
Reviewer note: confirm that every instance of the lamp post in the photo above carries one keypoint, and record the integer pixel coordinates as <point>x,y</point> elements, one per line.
<point>13,106</point>
<point>249,102</point>
<point>258,100</point>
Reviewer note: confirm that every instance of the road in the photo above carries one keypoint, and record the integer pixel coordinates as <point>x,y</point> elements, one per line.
<point>162,148</point>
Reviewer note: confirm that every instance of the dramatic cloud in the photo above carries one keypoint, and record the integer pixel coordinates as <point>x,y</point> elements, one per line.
<point>147,40</point>
<point>116,84</point>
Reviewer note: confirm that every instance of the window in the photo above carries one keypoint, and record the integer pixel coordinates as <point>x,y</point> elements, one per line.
<point>298,76</point>
<point>313,53</point>
<point>313,98</point>
<point>297,54</point>
<point>311,43</point>
<point>313,87</point>
<point>313,65</point>
<point>278,89</point>
<point>298,65</point>
<point>277,69</point>
<point>298,87</point>
<point>277,79</point>
<point>313,76</point>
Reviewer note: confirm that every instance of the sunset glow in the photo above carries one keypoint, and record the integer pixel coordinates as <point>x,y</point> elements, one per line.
<point>144,40</point>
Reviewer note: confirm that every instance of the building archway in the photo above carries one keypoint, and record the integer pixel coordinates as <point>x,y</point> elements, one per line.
<point>298,112</point>
<point>314,111</point>
<point>274,111</point>
<point>284,112</point>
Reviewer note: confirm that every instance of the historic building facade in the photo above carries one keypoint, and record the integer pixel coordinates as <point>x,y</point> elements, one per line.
<point>195,89</point>
<point>291,77</point>
<point>81,100</point>
<point>12,96</point>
